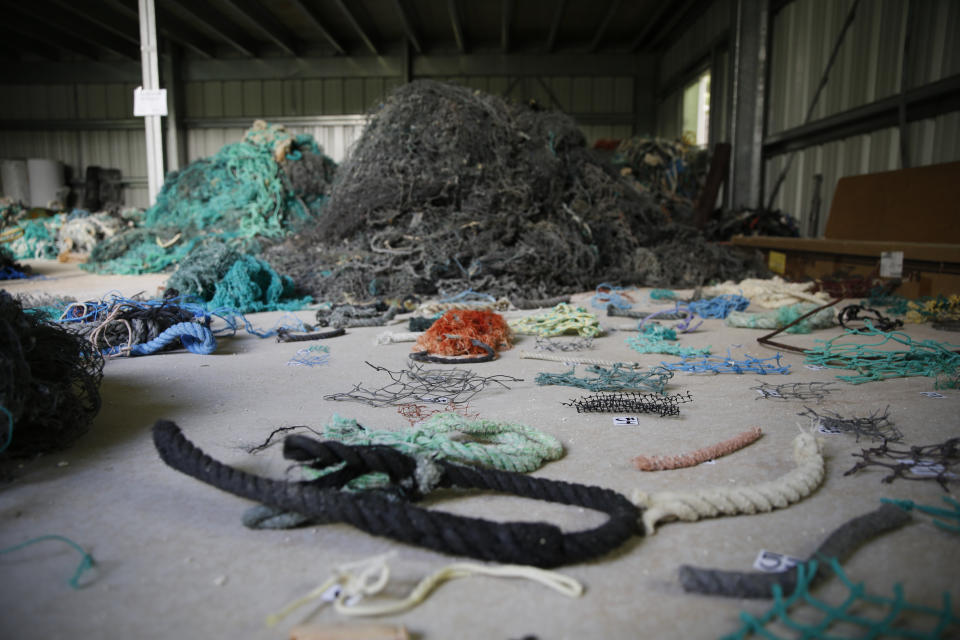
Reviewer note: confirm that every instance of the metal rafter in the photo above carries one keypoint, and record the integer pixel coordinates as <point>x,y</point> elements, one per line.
<point>267,24</point>
<point>18,43</point>
<point>84,27</point>
<point>170,27</point>
<point>356,25</point>
<point>506,17</point>
<point>204,14</point>
<point>555,26</point>
<point>51,35</point>
<point>457,25</point>
<point>602,29</point>
<point>407,27</point>
<point>111,21</point>
<point>311,15</point>
<point>681,17</point>
<point>643,36</point>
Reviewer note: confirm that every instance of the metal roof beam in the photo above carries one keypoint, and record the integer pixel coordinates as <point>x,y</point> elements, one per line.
<point>169,27</point>
<point>680,18</point>
<point>648,30</point>
<point>81,26</point>
<point>311,15</point>
<point>506,17</point>
<point>602,29</point>
<point>555,26</point>
<point>51,35</point>
<point>211,19</point>
<point>356,25</point>
<point>457,25</point>
<point>407,27</point>
<point>19,43</point>
<point>268,24</point>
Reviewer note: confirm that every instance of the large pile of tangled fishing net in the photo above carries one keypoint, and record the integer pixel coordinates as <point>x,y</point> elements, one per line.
<point>49,382</point>
<point>450,188</point>
<point>262,187</point>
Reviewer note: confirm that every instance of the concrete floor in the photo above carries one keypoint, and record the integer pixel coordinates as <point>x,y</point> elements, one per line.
<point>174,561</point>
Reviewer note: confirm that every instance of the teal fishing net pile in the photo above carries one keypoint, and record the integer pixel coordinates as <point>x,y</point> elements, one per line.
<point>264,187</point>
<point>891,355</point>
<point>860,615</point>
<point>219,274</point>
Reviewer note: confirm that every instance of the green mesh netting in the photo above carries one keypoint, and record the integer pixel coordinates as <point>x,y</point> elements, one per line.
<point>263,187</point>
<point>864,614</point>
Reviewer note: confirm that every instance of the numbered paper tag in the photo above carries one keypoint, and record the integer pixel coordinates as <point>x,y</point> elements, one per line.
<point>814,367</point>
<point>625,420</point>
<point>822,428</point>
<point>773,562</point>
<point>925,468</point>
<point>331,594</point>
<point>770,393</point>
<point>932,394</point>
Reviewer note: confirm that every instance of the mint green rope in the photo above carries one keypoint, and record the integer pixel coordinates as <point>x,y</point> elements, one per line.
<point>563,318</point>
<point>501,445</point>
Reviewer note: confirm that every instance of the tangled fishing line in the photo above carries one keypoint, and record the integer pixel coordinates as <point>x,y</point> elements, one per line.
<point>450,188</point>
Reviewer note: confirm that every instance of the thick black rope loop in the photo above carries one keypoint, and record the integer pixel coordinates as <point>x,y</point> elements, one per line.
<point>534,543</point>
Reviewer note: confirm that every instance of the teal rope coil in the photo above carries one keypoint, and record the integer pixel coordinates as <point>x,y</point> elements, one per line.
<point>86,561</point>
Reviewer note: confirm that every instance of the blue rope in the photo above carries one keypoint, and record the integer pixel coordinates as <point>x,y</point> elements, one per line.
<point>719,307</point>
<point>196,338</point>
<point>607,295</point>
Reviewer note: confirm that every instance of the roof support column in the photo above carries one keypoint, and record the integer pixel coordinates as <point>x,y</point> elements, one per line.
<point>748,68</point>
<point>151,82</point>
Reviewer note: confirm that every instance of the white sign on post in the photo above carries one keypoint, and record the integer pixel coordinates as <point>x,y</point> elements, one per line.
<point>149,102</point>
<point>891,264</point>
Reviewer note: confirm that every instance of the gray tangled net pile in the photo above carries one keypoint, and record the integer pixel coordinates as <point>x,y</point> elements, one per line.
<point>450,189</point>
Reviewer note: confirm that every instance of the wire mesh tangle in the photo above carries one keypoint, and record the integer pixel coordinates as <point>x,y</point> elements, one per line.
<point>876,426</point>
<point>630,403</point>
<point>805,391</point>
<point>418,384</point>
<point>939,461</point>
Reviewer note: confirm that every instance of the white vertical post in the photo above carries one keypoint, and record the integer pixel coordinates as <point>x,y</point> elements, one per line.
<point>151,81</point>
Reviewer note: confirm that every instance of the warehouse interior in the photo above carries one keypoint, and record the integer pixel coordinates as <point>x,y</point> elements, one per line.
<point>252,218</point>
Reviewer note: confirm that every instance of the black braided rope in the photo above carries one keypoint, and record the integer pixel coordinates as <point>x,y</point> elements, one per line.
<point>426,356</point>
<point>842,542</point>
<point>534,543</point>
<point>285,335</point>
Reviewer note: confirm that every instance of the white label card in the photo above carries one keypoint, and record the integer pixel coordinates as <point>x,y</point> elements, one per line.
<point>625,420</point>
<point>891,264</point>
<point>149,102</point>
<point>814,367</point>
<point>773,562</point>
<point>822,428</point>
<point>932,394</point>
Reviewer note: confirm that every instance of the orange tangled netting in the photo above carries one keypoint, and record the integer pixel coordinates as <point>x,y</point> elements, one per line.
<point>452,333</point>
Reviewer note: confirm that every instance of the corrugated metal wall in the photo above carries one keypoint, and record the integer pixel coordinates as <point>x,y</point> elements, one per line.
<point>868,68</point>
<point>217,112</point>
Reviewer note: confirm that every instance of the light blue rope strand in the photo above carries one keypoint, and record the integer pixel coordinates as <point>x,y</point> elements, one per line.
<point>196,338</point>
<point>85,563</point>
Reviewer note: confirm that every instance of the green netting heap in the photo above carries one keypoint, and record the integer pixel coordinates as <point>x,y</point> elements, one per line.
<point>266,186</point>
